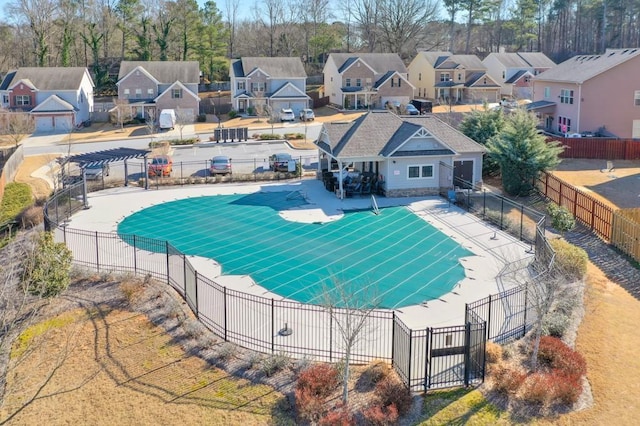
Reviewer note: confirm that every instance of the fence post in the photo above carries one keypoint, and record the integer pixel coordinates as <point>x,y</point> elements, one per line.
<point>97,253</point>
<point>521,220</point>
<point>426,362</point>
<point>501,212</point>
<point>488,321</point>
<point>166,245</point>
<point>181,175</point>
<point>135,256</point>
<point>273,327</point>
<point>526,298</point>
<point>330,337</point>
<point>184,273</point>
<point>484,203</point>
<point>195,281</point>
<point>393,337</point>
<point>410,357</point>
<point>224,309</point>
<point>467,350</point>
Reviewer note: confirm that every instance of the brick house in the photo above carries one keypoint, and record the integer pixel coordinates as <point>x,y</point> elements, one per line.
<point>58,99</point>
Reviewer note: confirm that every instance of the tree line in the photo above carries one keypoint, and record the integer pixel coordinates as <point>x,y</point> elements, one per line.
<point>99,33</point>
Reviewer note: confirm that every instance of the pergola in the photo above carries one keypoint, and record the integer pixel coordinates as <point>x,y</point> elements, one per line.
<point>100,158</point>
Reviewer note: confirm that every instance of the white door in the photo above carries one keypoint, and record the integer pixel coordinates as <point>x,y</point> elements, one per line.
<point>44,124</point>
<point>635,133</point>
<point>62,123</point>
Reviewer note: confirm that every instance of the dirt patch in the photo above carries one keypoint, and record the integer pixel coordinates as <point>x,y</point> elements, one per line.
<point>619,187</point>
<point>39,187</point>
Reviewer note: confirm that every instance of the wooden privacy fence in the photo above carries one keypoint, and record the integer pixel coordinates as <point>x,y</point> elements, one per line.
<point>584,207</point>
<point>599,148</point>
<point>626,231</point>
<point>619,227</point>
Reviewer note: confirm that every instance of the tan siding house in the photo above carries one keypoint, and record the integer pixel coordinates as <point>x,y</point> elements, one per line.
<point>452,79</point>
<point>514,71</point>
<point>591,94</point>
<point>151,86</point>
<point>366,80</point>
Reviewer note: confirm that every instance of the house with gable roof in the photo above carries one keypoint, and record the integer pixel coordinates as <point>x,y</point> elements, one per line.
<point>151,86</point>
<point>450,78</point>
<point>366,80</point>
<point>408,155</point>
<point>591,93</point>
<point>277,82</point>
<point>514,71</point>
<point>58,98</point>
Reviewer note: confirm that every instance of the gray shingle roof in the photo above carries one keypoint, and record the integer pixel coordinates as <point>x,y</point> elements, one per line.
<point>584,67</point>
<point>165,71</point>
<point>380,62</point>
<point>47,78</point>
<point>516,76</point>
<point>537,59</point>
<point>275,67</point>
<point>471,62</point>
<point>7,80</point>
<point>379,133</point>
<point>434,58</point>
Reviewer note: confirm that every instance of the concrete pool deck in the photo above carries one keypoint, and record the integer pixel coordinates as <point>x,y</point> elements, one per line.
<point>493,250</point>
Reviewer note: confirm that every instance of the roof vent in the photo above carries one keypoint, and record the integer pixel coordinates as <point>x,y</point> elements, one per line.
<point>611,54</point>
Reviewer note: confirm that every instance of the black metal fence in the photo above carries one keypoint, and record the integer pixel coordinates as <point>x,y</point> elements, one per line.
<point>425,359</point>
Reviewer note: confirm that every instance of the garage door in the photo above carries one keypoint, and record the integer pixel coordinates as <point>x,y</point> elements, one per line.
<point>44,124</point>
<point>62,123</point>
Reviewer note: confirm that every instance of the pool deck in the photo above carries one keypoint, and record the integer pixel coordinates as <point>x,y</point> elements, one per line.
<point>493,250</point>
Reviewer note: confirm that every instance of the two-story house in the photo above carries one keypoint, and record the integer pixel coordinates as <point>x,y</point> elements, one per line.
<point>514,71</point>
<point>450,78</point>
<point>58,98</point>
<point>366,80</point>
<point>151,86</point>
<point>276,82</point>
<point>591,93</point>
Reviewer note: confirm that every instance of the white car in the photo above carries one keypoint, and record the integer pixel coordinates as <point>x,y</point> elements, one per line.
<point>286,114</point>
<point>307,115</point>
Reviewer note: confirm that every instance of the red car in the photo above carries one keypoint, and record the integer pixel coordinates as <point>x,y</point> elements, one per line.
<point>161,165</point>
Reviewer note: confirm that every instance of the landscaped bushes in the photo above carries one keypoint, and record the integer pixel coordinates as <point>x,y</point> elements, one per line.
<point>187,141</point>
<point>392,391</point>
<point>570,260</point>
<point>558,379</point>
<point>17,197</point>
<point>314,385</point>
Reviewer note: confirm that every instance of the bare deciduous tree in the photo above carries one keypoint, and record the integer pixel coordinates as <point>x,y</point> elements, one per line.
<point>183,118</point>
<point>350,306</point>
<point>122,112</point>
<point>17,126</point>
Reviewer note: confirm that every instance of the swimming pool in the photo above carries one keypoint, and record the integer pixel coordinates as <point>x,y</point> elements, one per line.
<point>397,256</point>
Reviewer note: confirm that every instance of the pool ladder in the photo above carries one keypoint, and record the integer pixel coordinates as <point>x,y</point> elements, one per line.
<point>374,205</point>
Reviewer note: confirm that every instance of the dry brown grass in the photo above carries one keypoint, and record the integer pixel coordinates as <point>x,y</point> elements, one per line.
<point>39,187</point>
<point>121,369</point>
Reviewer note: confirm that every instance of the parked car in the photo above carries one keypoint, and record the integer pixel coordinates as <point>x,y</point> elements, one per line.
<point>307,115</point>
<point>96,171</point>
<point>412,110</point>
<point>160,165</point>
<point>286,114</point>
<point>280,162</point>
<point>220,165</point>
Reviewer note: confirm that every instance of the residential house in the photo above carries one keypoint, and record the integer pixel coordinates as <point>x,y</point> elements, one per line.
<point>58,98</point>
<point>514,71</point>
<point>276,82</point>
<point>366,80</point>
<point>409,155</point>
<point>451,79</point>
<point>591,93</point>
<point>151,86</point>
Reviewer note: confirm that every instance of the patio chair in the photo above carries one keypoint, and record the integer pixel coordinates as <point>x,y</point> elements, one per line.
<point>609,168</point>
